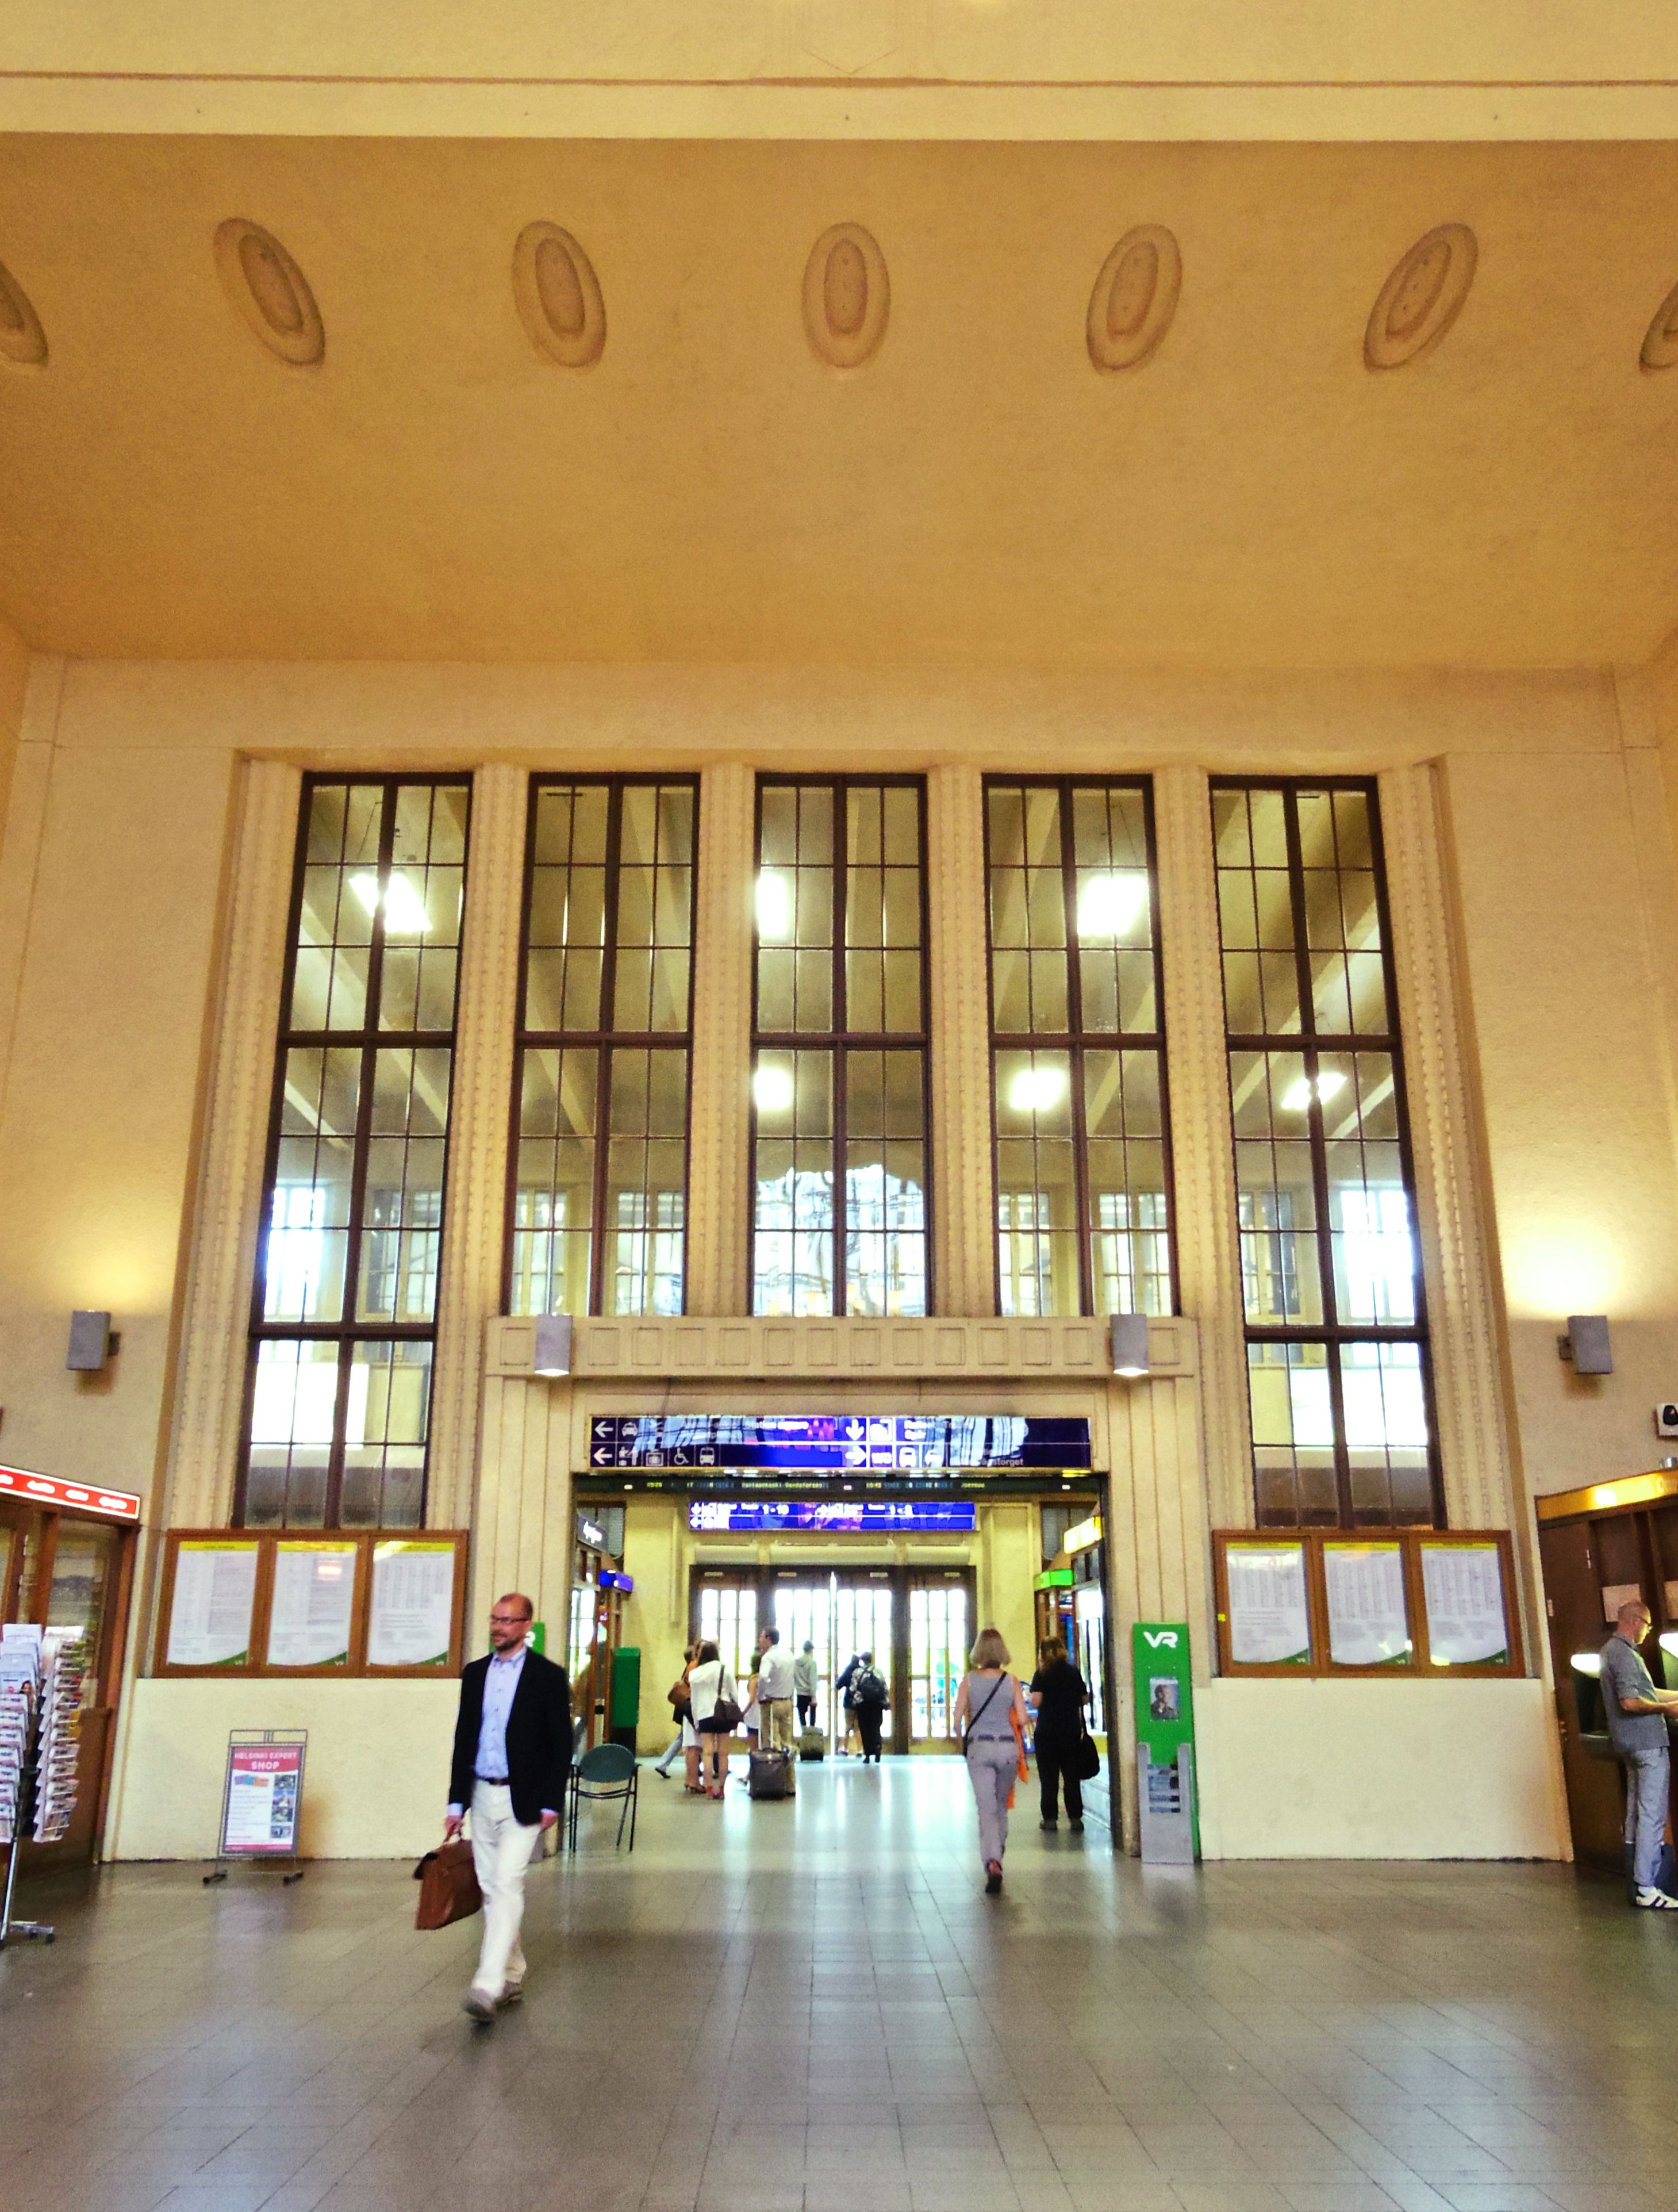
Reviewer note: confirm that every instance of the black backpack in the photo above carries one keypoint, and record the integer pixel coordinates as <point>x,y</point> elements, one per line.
<point>868,1688</point>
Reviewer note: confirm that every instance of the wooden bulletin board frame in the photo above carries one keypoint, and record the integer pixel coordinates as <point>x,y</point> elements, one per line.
<point>1410,1542</point>
<point>267,1543</point>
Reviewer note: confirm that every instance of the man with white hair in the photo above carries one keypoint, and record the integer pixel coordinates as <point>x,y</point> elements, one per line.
<point>1636,1712</point>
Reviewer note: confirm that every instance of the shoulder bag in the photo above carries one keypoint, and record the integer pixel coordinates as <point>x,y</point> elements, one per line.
<point>725,1710</point>
<point>448,1886</point>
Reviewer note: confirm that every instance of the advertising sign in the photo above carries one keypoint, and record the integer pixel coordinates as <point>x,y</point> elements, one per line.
<point>263,1795</point>
<point>907,1444</point>
<point>1164,1707</point>
<point>78,1497</point>
<point>846,1516</point>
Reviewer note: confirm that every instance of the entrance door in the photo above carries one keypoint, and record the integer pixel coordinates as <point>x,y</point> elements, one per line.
<point>941,1634</point>
<point>862,1610</point>
<point>725,1614</point>
<point>1573,1579</point>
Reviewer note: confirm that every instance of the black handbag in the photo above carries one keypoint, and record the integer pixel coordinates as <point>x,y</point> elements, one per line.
<point>1087,1757</point>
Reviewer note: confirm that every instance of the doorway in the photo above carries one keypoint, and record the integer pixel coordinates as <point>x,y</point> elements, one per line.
<point>62,1571</point>
<point>917,1622</point>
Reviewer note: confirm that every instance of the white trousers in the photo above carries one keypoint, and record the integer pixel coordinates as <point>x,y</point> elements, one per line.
<point>501,1853</point>
<point>993,1768</point>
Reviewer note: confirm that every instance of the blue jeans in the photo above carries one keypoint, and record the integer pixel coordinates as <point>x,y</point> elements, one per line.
<point>1647,1783</point>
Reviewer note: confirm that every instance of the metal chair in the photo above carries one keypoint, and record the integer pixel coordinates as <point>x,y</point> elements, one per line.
<point>606,1774</point>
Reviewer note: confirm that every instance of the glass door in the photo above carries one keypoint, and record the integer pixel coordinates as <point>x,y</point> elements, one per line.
<point>804,1614</point>
<point>727,1617</point>
<point>862,1619</point>
<point>1090,1657</point>
<point>939,1635</point>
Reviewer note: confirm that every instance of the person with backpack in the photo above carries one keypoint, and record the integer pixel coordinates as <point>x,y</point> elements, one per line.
<point>990,1714</point>
<point>869,1697</point>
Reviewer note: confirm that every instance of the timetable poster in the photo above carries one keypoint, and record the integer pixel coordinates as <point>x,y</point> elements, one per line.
<point>215,1593</point>
<point>313,1605</point>
<point>264,1789</point>
<point>1463,1587</point>
<point>412,1620</point>
<point>1269,1619</point>
<point>1368,1623</point>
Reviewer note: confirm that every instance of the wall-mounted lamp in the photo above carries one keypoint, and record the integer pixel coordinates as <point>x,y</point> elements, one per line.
<point>553,1345</point>
<point>91,1342</point>
<point>1586,1344</point>
<point>1128,1334</point>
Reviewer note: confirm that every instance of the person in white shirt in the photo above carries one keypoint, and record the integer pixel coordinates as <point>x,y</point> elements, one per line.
<point>709,1683</point>
<point>776,1673</point>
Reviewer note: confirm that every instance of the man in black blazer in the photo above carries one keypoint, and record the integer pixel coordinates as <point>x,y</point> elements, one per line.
<point>512,1755</point>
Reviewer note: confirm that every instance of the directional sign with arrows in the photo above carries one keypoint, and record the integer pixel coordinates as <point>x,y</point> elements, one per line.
<point>905,1444</point>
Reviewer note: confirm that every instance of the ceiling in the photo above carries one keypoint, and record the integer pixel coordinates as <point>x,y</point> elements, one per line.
<point>1252,496</point>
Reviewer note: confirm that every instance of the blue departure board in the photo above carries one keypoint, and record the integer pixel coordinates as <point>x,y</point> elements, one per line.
<point>846,1516</point>
<point>907,1445</point>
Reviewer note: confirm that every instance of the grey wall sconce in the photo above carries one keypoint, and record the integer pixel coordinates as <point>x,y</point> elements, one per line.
<point>553,1345</point>
<point>91,1342</point>
<point>1128,1334</point>
<point>1586,1344</point>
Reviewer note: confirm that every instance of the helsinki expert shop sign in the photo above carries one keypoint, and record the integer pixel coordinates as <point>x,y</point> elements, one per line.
<point>264,1794</point>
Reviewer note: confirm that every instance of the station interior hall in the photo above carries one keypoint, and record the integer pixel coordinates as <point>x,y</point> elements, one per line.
<point>838,882</point>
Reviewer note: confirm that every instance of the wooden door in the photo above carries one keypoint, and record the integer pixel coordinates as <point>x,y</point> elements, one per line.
<point>1573,1598</point>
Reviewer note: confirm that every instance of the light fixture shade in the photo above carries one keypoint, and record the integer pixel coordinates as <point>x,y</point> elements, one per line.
<point>1128,1334</point>
<point>553,1345</point>
<point>1588,1336</point>
<point>89,1342</point>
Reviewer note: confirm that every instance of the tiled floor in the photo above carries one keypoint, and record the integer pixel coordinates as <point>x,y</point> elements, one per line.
<point>813,2008</point>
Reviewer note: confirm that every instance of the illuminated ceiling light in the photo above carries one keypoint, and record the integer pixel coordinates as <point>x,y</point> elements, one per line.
<point>1034,1090</point>
<point>1297,1097</point>
<point>772,1089</point>
<point>774,906</point>
<point>1108,905</point>
<point>405,912</point>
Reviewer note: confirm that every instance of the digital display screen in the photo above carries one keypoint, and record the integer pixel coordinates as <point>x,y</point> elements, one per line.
<point>904,1444</point>
<point>846,1516</point>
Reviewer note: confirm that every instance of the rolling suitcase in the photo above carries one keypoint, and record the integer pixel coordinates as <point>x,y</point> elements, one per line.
<point>813,1744</point>
<point>768,1775</point>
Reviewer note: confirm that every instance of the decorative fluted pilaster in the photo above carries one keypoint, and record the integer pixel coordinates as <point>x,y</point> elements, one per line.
<point>1452,1206</point>
<point>964,1202</point>
<point>227,1214</point>
<point>718,1176</point>
<point>1209,1258</point>
<point>469,1286</point>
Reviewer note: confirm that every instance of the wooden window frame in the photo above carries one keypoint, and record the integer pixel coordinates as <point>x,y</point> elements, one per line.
<point>840,1041</point>
<point>1080,1039</point>
<point>606,1040</point>
<point>1410,1541</point>
<point>266,1542</point>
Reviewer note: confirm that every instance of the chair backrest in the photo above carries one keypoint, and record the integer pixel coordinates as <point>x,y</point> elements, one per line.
<point>607,1762</point>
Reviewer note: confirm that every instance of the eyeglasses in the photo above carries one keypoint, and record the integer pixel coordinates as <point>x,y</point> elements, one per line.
<point>508,1619</point>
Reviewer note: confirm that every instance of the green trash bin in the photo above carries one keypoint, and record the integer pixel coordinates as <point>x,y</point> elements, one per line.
<point>625,1695</point>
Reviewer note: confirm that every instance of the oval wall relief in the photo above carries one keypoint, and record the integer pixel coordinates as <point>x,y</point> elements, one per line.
<point>22,339</point>
<point>558,296</point>
<point>847,296</point>
<point>270,292</point>
<point>1134,297</point>
<point>1422,298</point>
<point>1660,343</point>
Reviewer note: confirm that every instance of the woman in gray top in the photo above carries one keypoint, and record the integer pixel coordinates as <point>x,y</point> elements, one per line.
<point>987,1706</point>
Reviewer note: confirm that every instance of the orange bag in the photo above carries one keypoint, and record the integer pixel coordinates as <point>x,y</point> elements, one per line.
<point>448,1886</point>
<point>1019,1746</point>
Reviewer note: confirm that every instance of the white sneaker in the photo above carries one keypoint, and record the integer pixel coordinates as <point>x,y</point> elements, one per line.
<point>1655,1900</point>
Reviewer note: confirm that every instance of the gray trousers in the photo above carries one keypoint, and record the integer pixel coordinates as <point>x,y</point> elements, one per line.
<point>993,1768</point>
<point>1647,1781</point>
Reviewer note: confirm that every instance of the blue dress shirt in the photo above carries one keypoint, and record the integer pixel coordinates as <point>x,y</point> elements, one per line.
<point>499,1683</point>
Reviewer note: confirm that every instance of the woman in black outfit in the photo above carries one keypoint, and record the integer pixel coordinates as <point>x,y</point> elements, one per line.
<point>1058,1697</point>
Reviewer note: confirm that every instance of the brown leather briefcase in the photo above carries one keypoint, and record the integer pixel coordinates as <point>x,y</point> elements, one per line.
<point>448,1886</point>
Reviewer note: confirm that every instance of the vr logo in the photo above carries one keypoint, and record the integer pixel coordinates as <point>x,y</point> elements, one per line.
<point>1153,1637</point>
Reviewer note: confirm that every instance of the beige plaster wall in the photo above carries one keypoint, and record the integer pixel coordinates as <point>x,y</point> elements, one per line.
<point>14,679</point>
<point>1372,1770</point>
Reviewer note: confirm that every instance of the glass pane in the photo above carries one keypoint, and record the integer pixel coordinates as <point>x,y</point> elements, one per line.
<point>553,1216</point>
<point>647,1182</point>
<point>84,1565</point>
<point>1030,979</point>
<point>1292,1436</point>
<point>385,1429</point>
<point>306,1246</point>
<point>292,1412</point>
<point>1275,1188</point>
<point>886,1250</point>
<point>1037,1218</point>
<point>794,908</point>
<point>402,1212</point>
<point>1129,1220</point>
<point>1375,1257</point>
<point>793,1225</point>
<point>1387,1434</point>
